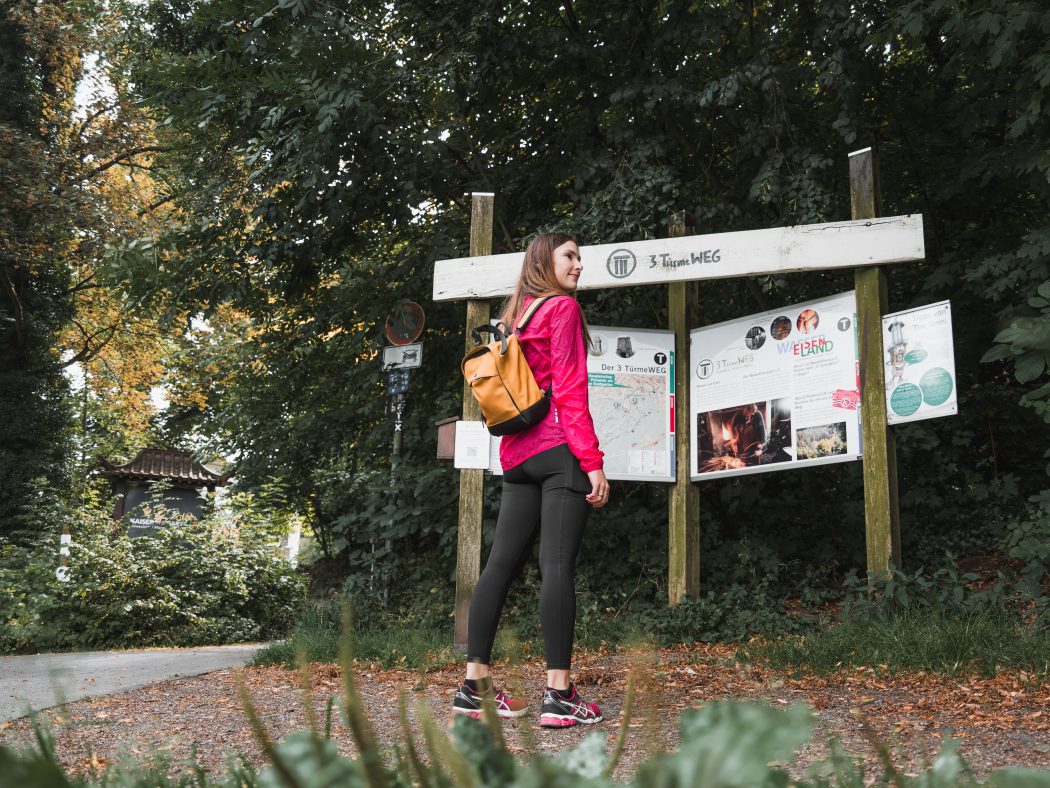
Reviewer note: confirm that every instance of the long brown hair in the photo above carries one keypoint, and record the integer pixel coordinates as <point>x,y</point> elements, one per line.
<point>537,279</point>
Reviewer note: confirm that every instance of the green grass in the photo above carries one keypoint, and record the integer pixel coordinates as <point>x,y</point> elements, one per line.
<point>917,639</point>
<point>416,649</point>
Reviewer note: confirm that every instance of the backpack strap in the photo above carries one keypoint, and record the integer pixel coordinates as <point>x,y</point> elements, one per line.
<point>533,308</point>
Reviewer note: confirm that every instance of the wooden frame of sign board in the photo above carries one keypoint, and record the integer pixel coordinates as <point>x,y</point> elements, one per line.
<point>865,243</point>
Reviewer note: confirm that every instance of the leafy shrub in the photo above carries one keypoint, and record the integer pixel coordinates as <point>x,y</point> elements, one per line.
<point>1028,543</point>
<point>29,594</point>
<point>945,589</point>
<point>735,614</point>
<point>192,583</point>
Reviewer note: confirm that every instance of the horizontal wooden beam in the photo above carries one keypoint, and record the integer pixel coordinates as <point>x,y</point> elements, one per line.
<point>808,247</point>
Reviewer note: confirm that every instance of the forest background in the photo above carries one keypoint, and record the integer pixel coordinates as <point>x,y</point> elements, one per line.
<point>223,199</point>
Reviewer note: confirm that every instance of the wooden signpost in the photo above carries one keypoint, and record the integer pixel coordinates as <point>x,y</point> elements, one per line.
<point>472,480</point>
<point>683,497</point>
<point>865,243</point>
<point>882,528</point>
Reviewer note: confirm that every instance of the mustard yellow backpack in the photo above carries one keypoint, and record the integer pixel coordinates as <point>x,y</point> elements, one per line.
<point>501,380</point>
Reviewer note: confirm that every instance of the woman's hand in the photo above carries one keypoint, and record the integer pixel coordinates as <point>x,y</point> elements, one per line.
<point>599,489</point>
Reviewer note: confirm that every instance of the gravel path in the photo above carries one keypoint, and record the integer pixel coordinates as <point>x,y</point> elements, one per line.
<point>40,681</point>
<point>999,721</point>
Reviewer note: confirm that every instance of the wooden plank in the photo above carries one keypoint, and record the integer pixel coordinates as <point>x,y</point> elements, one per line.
<point>894,239</point>
<point>881,508</point>
<point>472,480</point>
<point>683,498</point>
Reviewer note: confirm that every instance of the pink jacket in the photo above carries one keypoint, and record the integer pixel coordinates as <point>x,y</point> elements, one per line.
<point>553,345</point>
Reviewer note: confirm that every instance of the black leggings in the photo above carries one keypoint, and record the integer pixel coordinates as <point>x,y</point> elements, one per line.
<point>548,490</point>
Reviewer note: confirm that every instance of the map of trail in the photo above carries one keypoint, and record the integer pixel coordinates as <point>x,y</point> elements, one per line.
<point>630,412</point>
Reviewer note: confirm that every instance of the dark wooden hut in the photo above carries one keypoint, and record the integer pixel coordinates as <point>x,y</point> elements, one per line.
<point>185,478</point>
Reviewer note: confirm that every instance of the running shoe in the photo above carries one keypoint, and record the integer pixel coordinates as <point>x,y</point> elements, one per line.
<point>561,712</point>
<point>467,701</point>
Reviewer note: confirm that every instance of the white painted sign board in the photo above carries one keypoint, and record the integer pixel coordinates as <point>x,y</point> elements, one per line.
<point>403,356</point>
<point>775,390</point>
<point>920,363</point>
<point>852,244</point>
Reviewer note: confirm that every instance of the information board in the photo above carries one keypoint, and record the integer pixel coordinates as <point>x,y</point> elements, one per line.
<point>920,363</point>
<point>775,390</point>
<point>630,374</point>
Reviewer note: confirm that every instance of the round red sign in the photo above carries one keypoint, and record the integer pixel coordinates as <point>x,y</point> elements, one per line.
<point>404,324</point>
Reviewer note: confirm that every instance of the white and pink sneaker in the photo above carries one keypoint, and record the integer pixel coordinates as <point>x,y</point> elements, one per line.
<point>559,711</point>
<point>468,702</point>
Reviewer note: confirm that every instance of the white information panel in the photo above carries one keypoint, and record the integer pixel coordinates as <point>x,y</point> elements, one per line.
<point>630,375</point>
<point>775,390</point>
<point>920,363</point>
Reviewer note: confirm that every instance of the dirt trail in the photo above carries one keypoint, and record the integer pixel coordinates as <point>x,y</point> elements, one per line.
<point>1000,721</point>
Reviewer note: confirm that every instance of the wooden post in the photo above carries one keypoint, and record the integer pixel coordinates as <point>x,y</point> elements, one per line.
<point>881,509</point>
<point>472,480</point>
<point>683,497</point>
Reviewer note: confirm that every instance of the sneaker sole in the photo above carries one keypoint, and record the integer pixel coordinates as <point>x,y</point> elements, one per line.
<point>565,721</point>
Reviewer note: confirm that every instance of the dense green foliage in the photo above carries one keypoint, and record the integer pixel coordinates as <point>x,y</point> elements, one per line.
<point>322,151</point>
<point>194,583</point>
<point>35,280</point>
<point>314,156</point>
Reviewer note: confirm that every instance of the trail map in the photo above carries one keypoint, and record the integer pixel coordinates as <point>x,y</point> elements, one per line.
<point>631,385</point>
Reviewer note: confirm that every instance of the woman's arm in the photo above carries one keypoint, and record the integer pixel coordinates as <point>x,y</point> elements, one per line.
<point>569,381</point>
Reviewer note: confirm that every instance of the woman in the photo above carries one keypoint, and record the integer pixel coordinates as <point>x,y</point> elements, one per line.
<point>552,478</point>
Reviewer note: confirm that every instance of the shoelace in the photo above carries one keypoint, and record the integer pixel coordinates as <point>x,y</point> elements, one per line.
<point>576,703</point>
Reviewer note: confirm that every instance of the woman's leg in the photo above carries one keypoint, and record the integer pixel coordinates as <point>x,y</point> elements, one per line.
<point>563,517</point>
<point>516,528</point>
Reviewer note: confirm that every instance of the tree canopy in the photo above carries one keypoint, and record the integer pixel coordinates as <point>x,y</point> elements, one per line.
<point>312,160</point>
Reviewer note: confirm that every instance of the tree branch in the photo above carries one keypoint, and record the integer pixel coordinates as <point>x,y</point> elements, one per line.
<point>19,318</point>
<point>87,352</point>
<point>83,284</point>
<point>95,116</point>
<point>151,208</point>
<point>125,156</point>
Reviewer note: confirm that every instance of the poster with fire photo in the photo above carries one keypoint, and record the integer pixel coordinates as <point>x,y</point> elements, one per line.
<point>775,390</point>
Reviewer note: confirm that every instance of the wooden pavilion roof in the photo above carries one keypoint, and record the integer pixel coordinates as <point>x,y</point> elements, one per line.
<point>167,464</point>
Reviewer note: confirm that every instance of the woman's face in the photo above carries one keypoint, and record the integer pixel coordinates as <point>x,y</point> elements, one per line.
<point>567,266</point>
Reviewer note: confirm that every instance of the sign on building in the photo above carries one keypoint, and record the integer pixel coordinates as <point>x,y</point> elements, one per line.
<point>775,390</point>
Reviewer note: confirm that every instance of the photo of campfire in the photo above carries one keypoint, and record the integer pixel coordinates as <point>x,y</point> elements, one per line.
<point>821,441</point>
<point>756,433</point>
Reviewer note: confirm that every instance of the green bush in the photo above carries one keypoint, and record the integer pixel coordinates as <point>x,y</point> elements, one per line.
<point>734,614</point>
<point>945,589</point>
<point>946,621</point>
<point>192,583</point>
<point>919,638</point>
<point>1028,544</point>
